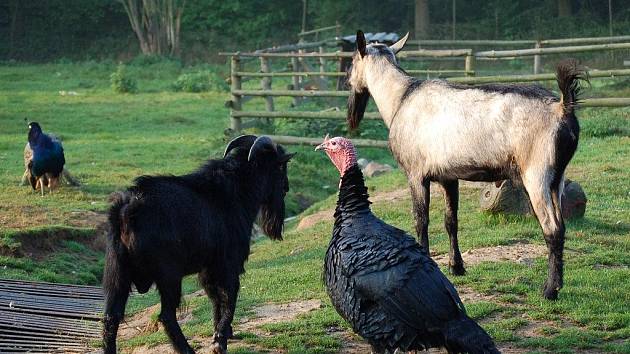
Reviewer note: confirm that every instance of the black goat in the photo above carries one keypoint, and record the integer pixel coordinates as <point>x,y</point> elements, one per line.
<point>166,227</point>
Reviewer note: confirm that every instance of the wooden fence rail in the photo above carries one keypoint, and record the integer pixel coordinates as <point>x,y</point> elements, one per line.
<point>335,42</point>
<point>555,50</point>
<point>518,42</point>
<point>297,61</point>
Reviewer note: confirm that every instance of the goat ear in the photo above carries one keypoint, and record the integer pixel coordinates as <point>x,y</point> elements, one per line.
<point>396,47</point>
<point>261,144</point>
<point>286,157</point>
<point>361,43</point>
<point>239,141</point>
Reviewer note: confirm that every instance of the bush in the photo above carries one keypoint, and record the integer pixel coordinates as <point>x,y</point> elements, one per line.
<point>121,82</point>
<point>199,82</point>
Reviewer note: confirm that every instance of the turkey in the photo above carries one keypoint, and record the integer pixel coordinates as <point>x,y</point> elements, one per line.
<point>381,281</point>
<point>45,164</point>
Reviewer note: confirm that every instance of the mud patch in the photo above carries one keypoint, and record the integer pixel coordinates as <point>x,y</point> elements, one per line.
<point>272,313</point>
<point>523,253</point>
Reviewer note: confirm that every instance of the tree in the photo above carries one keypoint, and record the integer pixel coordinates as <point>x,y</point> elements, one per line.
<point>422,19</point>
<point>564,8</point>
<point>156,23</point>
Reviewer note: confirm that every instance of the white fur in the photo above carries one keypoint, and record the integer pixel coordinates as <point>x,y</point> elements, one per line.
<point>460,127</point>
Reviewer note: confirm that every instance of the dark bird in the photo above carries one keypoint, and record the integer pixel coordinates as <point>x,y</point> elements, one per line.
<point>46,161</point>
<point>382,282</point>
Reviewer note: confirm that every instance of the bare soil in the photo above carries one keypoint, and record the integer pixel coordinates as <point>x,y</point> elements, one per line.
<point>272,313</point>
<point>523,253</point>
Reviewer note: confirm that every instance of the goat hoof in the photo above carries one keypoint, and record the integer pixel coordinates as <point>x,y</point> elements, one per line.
<point>457,269</point>
<point>550,292</point>
<point>217,348</point>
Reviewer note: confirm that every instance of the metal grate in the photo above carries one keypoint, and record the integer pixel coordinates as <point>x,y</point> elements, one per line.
<point>38,317</point>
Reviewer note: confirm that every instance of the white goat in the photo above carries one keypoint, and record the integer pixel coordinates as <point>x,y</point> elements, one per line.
<point>442,132</point>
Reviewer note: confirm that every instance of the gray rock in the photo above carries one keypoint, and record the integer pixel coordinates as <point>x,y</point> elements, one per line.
<point>362,163</point>
<point>374,169</point>
<point>512,199</point>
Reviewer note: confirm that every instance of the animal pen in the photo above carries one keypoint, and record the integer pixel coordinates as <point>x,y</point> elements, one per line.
<point>315,64</point>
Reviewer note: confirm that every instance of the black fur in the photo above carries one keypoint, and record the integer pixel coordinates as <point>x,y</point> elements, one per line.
<point>357,102</point>
<point>412,86</point>
<point>165,227</point>
<point>385,285</point>
<point>529,91</point>
<point>569,74</point>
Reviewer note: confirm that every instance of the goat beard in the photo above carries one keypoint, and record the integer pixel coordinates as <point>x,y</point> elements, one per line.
<point>357,102</point>
<point>272,219</point>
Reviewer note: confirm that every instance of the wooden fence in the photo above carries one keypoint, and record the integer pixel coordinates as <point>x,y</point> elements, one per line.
<point>469,57</point>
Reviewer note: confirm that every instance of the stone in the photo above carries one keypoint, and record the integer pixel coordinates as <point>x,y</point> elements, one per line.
<point>362,163</point>
<point>374,169</point>
<point>505,197</point>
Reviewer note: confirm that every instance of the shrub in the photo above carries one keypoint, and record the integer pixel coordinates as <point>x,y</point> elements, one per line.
<point>199,82</point>
<point>121,82</point>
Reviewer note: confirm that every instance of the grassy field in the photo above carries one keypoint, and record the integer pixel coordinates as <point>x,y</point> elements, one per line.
<point>111,138</point>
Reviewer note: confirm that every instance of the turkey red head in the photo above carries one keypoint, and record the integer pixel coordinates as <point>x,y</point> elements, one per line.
<point>340,151</point>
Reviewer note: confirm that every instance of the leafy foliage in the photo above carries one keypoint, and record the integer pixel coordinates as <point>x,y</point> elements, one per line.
<point>121,82</point>
<point>43,30</point>
<point>199,82</point>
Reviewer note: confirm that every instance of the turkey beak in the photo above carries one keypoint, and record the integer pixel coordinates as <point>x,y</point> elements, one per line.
<point>322,146</point>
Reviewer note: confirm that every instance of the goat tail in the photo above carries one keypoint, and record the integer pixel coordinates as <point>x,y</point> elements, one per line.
<point>116,254</point>
<point>569,74</point>
<point>117,215</point>
<point>464,335</point>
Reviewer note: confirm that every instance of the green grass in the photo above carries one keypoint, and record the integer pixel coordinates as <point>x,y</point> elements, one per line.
<point>111,138</point>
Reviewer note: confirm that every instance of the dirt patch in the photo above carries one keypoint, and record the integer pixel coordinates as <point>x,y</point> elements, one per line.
<point>272,313</point>
<point>87,219</point>
<point>310,220</point>
<point>143,322</point>
<point>40,244</point>
<point>523,253</point>
<point>468,295</point>
<point>18,217</point>
<point>353,344</point>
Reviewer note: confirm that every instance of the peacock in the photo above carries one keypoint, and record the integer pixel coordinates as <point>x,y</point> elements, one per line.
<point>43,158</point>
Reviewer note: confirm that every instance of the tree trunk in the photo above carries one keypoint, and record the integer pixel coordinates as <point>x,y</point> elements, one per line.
<point>564,8</point>
<point>156,24</point>
<point>14,9</point>
<point>422,19</point>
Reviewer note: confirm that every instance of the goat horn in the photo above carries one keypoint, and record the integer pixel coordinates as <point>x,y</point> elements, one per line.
<point>239,141</point>
<point>262,143</point>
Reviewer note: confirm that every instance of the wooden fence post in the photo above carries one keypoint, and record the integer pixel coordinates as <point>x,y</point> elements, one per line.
<point>295,67</point>
<point>537,60</point>
<point>265,84</point>
<point>470,64</point>
<point>322,68</point>
<point>235,66</point>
